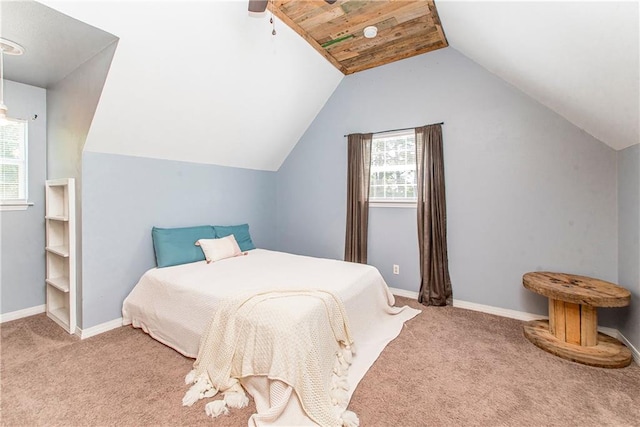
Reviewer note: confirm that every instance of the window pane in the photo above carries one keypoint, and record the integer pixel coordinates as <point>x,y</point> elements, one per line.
<point>12,137</point>
<point>399,192</point>
<point>409,177</point>
<point>402,157</point>
<point>377,158</point>
<point>10,185</point>
<point>391,155</point>
<point>13,167</point>
<point>390,178</point>
<point>411,155</point>
<point>388,193</point>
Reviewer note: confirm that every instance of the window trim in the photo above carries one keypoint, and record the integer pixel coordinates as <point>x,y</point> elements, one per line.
<point>20,204</point>
<point>393,204</point>
<point>15,206</point>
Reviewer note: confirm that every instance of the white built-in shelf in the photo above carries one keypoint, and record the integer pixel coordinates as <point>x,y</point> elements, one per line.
<point>57,218</point>
<point>62,283</point>
<point>60,252</point>
<point>63,251</point>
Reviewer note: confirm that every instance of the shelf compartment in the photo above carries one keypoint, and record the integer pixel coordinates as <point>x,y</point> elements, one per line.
<point>57,198</point>
<point>61,317</point>
<point>57,268</point>
<point>57,233</point>
<point>58,308</point>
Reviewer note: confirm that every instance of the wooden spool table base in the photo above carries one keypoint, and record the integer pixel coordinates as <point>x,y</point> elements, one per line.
<point>608,353</point>
<point>571,331</point>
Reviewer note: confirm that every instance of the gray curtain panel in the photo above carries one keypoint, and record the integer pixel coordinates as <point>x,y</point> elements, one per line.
<point>358,171</point>
<point>435,286</point>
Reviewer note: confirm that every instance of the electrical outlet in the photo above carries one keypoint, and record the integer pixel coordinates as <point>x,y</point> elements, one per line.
<point>396,269</point>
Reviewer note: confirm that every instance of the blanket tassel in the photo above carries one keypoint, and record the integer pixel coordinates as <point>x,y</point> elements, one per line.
<point>235,397</point>
<point>347,354</point>
<point>339,397</point>
<point>216,408</point>
<point>199,390</point>
<point>339,384</point>
<point>191,377</point>
<point>349,419</point>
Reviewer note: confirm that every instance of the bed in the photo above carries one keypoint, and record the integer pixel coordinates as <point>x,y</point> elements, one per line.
<point>175,304</point>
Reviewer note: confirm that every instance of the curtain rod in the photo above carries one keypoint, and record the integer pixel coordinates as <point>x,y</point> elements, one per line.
<point>398,130</point>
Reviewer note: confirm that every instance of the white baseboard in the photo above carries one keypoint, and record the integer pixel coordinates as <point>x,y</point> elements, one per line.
<point>99,329</point>
<point>504,312</point>
<point>520,315</point>
<point>19,314</point>
<point>634,351</point>
<point>609,331</point>
<point>498,311</point>
<point>404,293</point>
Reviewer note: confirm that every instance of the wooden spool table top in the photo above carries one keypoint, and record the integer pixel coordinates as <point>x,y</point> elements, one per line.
<point>577,289</point>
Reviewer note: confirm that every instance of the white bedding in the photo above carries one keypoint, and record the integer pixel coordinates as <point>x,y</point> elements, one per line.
<point>174,304</point>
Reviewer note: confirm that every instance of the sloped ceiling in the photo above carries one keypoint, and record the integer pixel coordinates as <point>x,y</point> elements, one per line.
<point>578,58</point>
<point>50,53</point>
<point>203,82</point>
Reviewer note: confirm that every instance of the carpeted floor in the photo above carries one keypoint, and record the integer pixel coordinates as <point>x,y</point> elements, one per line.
<point>449,367</point>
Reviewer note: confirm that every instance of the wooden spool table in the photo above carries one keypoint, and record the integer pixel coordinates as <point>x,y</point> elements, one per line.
<point>572,329</point>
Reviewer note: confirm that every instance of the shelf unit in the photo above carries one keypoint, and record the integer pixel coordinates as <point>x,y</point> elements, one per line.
<point>60,252</point>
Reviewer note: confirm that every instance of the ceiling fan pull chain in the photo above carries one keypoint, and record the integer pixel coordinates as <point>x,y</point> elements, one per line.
<point>271,21</point>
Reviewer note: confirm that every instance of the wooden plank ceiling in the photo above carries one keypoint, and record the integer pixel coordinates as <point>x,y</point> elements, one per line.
<point>405,28</point>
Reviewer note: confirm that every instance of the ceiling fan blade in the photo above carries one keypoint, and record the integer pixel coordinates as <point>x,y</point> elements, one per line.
<point>258,5</point>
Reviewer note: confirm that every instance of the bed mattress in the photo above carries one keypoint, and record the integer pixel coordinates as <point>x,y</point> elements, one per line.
<point>175,304</point>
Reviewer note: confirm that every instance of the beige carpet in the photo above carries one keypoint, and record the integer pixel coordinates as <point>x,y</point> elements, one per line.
<point>449,367</point>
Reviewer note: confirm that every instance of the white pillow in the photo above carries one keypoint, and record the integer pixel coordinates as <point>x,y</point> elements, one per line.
<point>217,249</point>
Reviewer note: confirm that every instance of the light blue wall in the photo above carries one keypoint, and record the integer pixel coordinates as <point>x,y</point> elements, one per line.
<point>22,265</point>
<point>125,196</point>
<point>390,245</point>
<point>629,241</point>
<point>526,190</point>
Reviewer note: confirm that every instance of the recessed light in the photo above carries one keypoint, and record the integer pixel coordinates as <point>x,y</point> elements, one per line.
<point>10,48</point>
<point>370,32</point>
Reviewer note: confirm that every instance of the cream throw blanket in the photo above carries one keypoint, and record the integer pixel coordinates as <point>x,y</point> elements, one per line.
<point>301,338</point>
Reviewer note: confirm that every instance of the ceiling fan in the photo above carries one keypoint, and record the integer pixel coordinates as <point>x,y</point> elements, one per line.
<point>261,5</point>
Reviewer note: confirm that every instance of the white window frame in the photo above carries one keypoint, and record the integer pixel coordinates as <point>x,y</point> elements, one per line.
<point>390,203</point>
<point>22,203</point>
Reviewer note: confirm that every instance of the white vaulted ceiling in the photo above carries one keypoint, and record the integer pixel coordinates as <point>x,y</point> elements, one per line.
<point>50,54</point>
<point>204,81</point>
<point>579,58</point>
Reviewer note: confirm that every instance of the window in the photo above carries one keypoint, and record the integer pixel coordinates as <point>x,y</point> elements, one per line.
<point>13,163</point>
<point>393,167</point>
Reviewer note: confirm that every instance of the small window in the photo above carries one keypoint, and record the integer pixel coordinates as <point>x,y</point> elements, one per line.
<point>13,163</point>
<point>393,167</point>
